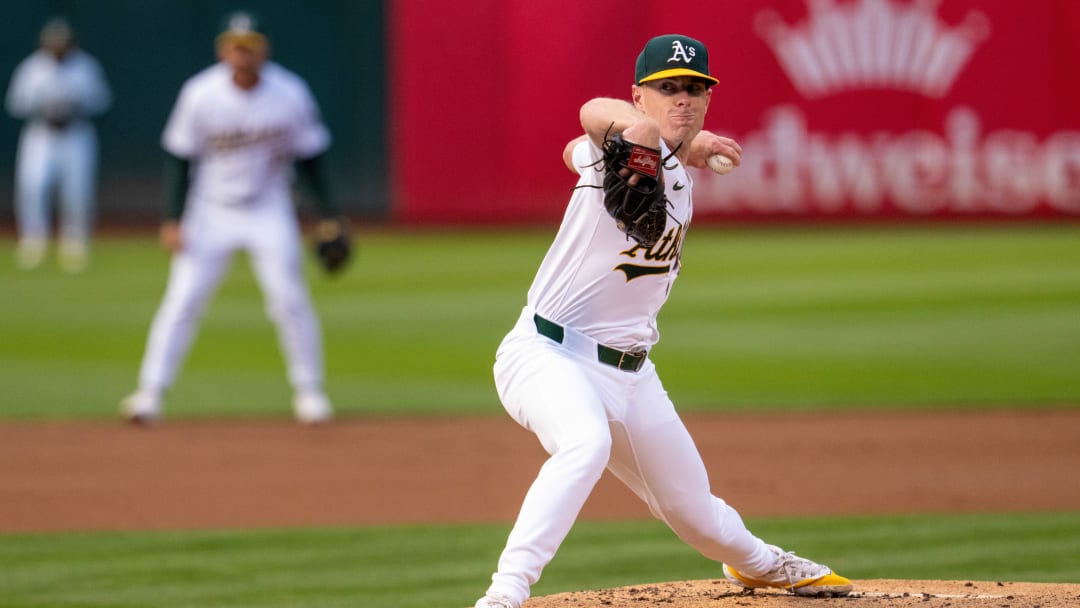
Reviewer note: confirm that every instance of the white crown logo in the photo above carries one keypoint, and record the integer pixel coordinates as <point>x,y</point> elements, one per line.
<point>872,44</point>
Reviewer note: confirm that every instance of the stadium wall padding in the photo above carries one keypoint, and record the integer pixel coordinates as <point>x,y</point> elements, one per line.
<point>148,48</point>
<point>457,113</point>
<point>850,109</point>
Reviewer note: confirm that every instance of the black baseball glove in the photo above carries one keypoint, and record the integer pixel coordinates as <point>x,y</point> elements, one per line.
<point>639,209</point>
<point>332,245</point>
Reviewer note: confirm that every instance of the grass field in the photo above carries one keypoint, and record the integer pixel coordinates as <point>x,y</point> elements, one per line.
<point>767,319</point>
<point>774,319</point>
<point>448,566</point>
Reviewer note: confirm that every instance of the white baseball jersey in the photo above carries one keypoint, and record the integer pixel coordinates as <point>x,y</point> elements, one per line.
<point>597,280</point>
<point>44,88</point>
<point>244,142</point>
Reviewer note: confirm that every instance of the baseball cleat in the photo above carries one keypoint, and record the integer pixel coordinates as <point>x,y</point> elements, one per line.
<point>496,600</point>
<point>73,256</point>
<point>312,407</point>
<point>795,574</point>
<point>142,407</point>
<point>30,253</point>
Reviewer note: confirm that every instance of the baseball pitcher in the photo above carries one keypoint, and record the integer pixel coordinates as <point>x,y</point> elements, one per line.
<point>575,369</point>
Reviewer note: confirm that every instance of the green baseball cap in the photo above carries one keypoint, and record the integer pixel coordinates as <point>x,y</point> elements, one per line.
<point>673,55</point>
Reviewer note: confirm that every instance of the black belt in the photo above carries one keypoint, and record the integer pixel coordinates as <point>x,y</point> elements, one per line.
<point>629,362</point>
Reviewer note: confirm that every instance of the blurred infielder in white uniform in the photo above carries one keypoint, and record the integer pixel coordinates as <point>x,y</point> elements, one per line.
<point>238,129</point>
<point>57,90</point>
<point>575,369</point>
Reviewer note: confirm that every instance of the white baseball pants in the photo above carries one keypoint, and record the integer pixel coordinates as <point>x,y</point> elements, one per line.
<point>62,159</point>
<point>590,416</point>
<point>269,232</point>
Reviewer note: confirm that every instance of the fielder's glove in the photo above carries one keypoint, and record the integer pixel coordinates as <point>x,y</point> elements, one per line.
<point>332,245</point>
<point>640,209</point>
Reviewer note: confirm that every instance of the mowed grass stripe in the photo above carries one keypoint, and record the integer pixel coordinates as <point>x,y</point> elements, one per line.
<point>437,566</point>
<point>763,318</point>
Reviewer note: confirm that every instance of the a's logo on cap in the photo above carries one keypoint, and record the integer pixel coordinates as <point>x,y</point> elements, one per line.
<point>681,53</point>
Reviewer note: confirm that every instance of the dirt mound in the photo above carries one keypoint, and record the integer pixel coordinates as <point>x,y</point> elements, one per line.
<point>867,594</point>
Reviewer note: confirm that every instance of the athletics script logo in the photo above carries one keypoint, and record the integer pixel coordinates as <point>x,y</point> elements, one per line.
<point>681,53</point>
<point>661,255</point>
<point>898,51</point>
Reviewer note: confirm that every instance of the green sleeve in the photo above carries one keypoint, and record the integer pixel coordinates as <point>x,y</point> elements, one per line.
<point>176,185</point>
<point>311,177</point>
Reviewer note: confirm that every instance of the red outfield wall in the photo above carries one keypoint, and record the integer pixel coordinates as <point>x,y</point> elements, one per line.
<point>845,108</point>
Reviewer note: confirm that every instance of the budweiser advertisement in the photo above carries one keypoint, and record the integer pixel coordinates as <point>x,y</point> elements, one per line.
<point>845,109</point>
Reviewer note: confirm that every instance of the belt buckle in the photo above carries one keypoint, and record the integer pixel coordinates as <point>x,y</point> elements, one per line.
<point>635,362</point>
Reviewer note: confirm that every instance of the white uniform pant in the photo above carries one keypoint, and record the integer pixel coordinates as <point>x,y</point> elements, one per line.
<point>590,416</point>
<point>60,161</point>
<point>212,234</point>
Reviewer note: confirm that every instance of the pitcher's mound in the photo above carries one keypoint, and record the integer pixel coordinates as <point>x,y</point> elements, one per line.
<point>867,593</point>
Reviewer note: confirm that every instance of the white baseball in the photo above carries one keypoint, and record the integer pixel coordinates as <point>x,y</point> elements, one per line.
<point>720,163</point>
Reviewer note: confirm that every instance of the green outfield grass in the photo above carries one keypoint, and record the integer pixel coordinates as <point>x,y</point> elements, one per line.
<point>449,566</point>
<point>760,318</point>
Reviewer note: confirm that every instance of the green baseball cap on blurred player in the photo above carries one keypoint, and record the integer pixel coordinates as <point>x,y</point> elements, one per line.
<point>673,55</point>
<point>242,29</point>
